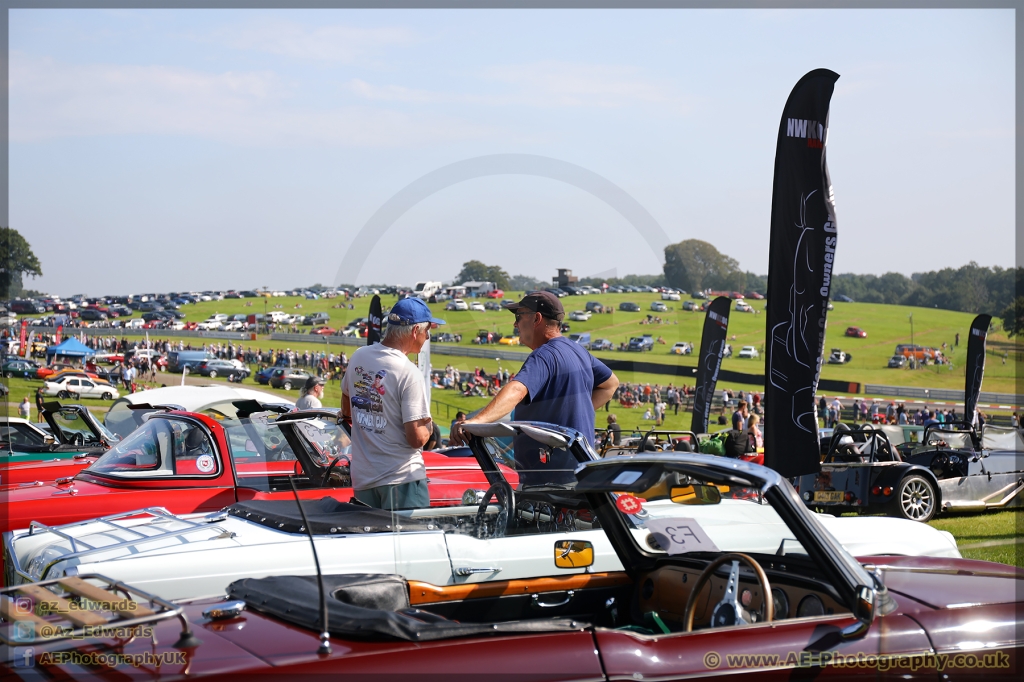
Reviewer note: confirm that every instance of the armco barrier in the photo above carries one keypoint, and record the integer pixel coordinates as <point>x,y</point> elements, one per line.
<point>985,398</point>
<point>319,338</point>
<point>153,333</point>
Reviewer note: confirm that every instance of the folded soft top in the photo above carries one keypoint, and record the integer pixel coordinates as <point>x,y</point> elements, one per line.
<point>369,606</point>
<point>326,516</point>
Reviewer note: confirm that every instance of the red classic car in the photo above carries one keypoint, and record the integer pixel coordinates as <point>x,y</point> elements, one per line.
<point>495,293</point>
<point>683,608</point>
<point>856,332</point>
<point>325,331</point>
<point>188,462</point>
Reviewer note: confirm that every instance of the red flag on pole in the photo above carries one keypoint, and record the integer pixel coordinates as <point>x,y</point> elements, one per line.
<point>24,338</point>
<point>60,330</point>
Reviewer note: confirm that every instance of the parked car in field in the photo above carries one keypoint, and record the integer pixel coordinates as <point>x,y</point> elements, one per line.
<point>221,368</point>
<point>510,340</point>
<point>743,307</point>
<point>91,314</point>
<point>629,307</point>
<point>492,305</point>
<point>919,353</point>
<point>73,386</point>
<point>581,338</point>
<point>323,331</point>
<point>659,307</point>
<point>681,348</point>
<point>594,307</point>
<point>749,353</point>
<point>477,306</point>
<point>579,315</point>
<point>495,293</point>
<point>288,377</point>
<point>856,332</point>
<point>839,357</point>
<point>456,304</point>
<point>641,343</point>
<point>670,296</point>
<point>262,377</point>
<point>28,369</point>
<point>897,362</point>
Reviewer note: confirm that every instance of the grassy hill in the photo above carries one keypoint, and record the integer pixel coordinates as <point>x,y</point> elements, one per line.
<point>886,326</point>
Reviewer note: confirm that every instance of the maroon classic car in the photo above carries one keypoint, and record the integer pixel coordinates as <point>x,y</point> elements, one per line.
<point>696,599</point>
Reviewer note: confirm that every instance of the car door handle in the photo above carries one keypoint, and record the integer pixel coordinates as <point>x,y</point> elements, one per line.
<point>550,605</point>
<point>466,570</point>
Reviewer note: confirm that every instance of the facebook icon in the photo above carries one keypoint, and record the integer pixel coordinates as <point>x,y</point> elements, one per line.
<point>24,657</point>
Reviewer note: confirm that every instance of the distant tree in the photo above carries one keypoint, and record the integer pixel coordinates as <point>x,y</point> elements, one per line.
<point>524,283</point>
<point>694,265</point>
<point>1013,317</point>
<point>16,259</point>
<point>475,271</point>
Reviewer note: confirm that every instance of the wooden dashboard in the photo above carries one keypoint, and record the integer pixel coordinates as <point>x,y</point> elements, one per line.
<point>667,589</point>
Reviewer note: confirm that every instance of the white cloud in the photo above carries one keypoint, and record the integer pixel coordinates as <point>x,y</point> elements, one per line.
<point>544,85</point>
<point>49,99</point>
<point>562,84</point>
<point>337,43</point>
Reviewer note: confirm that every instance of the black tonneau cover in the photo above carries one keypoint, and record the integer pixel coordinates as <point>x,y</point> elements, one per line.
<point>326,516</point>
<point>370,606</point>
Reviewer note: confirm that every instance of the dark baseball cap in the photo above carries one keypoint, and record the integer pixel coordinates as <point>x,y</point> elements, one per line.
<point>313,382</point>
<point>543,302</point>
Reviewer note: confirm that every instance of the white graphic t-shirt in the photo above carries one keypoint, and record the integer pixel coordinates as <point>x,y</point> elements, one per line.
<point>386,391</point>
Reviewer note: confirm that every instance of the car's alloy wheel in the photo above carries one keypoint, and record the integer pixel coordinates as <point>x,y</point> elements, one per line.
<point>63,395</point>
<point>287,385</point>
<point>107,396</point>
<point>213,374</point>
<point>916,499</point>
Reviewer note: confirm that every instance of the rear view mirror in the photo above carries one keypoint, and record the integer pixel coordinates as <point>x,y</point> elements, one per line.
<point>695,494</point>
<point>574,554</point>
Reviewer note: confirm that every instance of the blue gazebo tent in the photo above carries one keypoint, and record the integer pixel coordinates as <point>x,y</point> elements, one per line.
<point>71,347</point>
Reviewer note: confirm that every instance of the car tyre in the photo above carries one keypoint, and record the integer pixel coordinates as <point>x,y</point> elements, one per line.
<point>63,395</point>
<point>287,385</point>
<point>107,396</point>
<point>8,374</point>
<point>213,374</point>
<point>915,499</point>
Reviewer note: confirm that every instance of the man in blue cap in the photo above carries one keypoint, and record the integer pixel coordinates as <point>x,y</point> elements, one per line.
<point>383,395</point>
<point>560,383</point>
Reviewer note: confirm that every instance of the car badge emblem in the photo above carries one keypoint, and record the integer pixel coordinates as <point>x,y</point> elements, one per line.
<point>629,504</point>
<point>205,464</point>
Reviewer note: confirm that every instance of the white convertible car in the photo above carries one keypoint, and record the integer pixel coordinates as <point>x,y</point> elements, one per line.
<point>499,534</point>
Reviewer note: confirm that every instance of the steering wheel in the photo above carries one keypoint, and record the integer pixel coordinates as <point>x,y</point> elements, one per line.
<point>728,611</point>
<point>503,493</point>
<point>330,468</point>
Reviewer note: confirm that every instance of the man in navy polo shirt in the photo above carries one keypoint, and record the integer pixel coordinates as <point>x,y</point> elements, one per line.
<point>560,383</point>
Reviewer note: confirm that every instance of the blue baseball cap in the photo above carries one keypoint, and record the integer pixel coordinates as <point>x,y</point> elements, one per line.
<point>411,311</point>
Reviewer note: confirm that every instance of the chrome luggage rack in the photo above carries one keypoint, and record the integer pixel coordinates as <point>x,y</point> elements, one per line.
<point>73,608</point>
<point>79,548</point>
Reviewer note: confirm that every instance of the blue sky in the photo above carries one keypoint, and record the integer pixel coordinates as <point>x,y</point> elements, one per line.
<point>237,149</point>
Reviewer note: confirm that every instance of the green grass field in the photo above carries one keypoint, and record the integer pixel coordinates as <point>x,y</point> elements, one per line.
<point>989,537</point>
<point>886,326</point>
